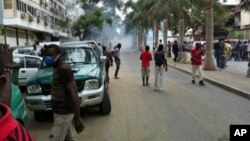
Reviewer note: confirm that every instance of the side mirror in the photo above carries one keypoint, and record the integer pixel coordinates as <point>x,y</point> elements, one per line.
<point>103,59</point>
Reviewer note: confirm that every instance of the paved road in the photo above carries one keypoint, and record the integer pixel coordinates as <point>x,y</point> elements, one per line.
<point>183,112</point>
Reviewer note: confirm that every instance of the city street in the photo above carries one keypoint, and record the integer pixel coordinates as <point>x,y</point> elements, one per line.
<point>182,112</point>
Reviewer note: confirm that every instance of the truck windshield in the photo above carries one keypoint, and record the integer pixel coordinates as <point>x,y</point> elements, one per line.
<point>76,55</point>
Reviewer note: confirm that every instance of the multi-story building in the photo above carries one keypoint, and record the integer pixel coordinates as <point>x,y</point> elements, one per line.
<point>240,19</point>
<point>26,21</point>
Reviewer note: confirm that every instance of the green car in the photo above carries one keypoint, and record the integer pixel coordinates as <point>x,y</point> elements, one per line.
<point>89,74</point>
<point>18,106</point>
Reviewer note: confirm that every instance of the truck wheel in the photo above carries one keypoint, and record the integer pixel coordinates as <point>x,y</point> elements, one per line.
<point>105,106</point>
<point>38,116</point>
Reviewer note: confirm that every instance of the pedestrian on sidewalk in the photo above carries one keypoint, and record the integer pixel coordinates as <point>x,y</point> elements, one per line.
<point>248,49</point>
<point>248,71</point>
<point>64,97</point>
<point>225,54</point>
<point>218,47</point>
<point>145,58</point>
<point>175,50</point>
<point>160,67</point>
<point>10,129</point>
<point>169,49</point>
<point>196,59</point>
<point>238,51</point>
<point>116,54</point>
<point>109,61</point>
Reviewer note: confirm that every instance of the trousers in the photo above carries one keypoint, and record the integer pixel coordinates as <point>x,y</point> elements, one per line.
<point>61,130</point>
<point>197,68</point>
<point>159,76</point>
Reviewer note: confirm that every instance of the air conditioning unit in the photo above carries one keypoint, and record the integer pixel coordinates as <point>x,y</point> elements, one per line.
<point>38,19</point>
<point>31,18</point>
<point>45,22</point>
<point>23,15</point>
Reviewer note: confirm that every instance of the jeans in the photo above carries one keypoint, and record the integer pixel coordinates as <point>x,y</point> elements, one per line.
<point>118,63</point>
<point>197,68</point>
<point>175,56</point>
<point>218,58</point>
<point>159,76</point>
<point>237,57</point>
<point>61,130</point>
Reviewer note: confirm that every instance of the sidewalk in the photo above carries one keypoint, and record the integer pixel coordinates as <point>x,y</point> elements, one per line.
<point>233,78</point>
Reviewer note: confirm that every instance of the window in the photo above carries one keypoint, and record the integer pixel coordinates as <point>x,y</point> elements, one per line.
<point>32,62</point>
<point>18,61</point>
<point>7,4</point>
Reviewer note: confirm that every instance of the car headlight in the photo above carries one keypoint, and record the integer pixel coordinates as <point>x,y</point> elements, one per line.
<point>34,89</point>
<point>91,84</point>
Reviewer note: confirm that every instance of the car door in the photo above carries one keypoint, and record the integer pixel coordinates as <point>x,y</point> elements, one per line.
<point>32,65</point>
<point>20,60</point>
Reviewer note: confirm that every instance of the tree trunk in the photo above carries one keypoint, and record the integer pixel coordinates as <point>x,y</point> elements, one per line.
<point>156,32</point>
<point>144,36</point>
<point>165,34</point>
<point>209,61</point>
<point>181,37</point>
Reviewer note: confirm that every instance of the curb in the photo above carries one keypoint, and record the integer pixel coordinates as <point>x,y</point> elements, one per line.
<point>234,90</point>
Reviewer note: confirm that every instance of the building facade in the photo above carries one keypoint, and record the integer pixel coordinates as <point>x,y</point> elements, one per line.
<point>25,21</point>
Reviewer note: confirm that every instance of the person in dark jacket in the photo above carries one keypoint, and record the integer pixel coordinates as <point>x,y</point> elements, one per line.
<point>175,50</point>
<point>160,65</point>
<point>116,54</point>
<point>109,61</point>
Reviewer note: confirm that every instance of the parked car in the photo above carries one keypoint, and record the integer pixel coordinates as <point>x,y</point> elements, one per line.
<point>18,106</point>
<point>26,50</point>
<point>28,67</point>
<point>89,77</point>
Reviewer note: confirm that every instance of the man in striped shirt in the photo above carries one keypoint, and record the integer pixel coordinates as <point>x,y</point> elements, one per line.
<point>10,129</point>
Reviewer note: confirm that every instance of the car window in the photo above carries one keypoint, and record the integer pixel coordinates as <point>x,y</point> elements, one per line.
<point>78,55</point>
<point>32,62</point>
<point>18,61</point>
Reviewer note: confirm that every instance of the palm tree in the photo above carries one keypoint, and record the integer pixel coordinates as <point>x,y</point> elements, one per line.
<point>209,62</point>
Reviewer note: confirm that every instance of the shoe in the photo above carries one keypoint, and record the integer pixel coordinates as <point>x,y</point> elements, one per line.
<point>147,84</point>
<point>201,83</point>
<point>116,77</point>
<point>193,81</point>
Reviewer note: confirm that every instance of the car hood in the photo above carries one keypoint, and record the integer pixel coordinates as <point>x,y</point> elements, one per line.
<point>82,72</point>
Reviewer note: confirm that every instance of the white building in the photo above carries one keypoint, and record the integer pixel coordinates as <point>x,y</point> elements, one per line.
<point>27,21</point>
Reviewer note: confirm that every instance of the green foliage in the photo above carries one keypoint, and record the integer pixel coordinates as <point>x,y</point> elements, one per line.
<point>82,27</point>
<point>64,23</point>
<point>2,30</point>
<point>192,11</point>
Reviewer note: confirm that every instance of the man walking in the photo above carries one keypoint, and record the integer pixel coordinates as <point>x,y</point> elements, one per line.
<point>175,50</point>
<point>169,49</point>
<point>145,58</point>
<point>160,65</point>
<point>116,54</point>
<point>109,61</point>
<point>10,129</point>
<point>64,97</point>
<point>196,59</point>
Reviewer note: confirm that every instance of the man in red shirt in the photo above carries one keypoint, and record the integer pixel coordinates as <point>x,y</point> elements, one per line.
<point>196,59</point>
<point>10,129</point>
<point>145,57</point>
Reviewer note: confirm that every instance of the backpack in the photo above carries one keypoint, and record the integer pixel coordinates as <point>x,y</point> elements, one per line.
<point>159,58</point>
